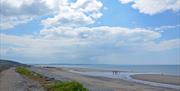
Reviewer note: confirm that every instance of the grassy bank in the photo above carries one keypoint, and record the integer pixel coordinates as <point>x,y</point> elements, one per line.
<point>51,85</point>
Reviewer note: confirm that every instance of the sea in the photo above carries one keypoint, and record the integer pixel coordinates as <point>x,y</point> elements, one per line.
<point>156,69</point>
<point>126,71</point>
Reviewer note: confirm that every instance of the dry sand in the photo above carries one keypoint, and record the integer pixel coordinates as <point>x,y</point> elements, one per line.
<point>167,79</point>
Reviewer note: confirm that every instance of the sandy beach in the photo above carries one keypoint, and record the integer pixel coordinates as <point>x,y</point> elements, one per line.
<point>167,79</point>
<point>98,83</point>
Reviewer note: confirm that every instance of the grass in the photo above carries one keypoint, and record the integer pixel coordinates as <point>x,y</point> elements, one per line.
<point>66,86</point>
<point>51,86</point>
<point>24,71</point>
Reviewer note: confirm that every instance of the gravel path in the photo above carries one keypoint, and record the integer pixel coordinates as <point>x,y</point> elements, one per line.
<point>12,81</point>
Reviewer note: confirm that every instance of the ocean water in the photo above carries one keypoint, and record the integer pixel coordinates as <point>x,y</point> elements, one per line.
<point>157,69</point>
<point>128,70</point>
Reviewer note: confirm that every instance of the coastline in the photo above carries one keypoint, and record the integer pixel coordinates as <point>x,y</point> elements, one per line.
<point>159,78</point>
<point>97,83</point>
<point>153,79</point>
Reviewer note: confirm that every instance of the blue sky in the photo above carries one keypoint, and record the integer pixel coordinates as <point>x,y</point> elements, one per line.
<point>91,31</point>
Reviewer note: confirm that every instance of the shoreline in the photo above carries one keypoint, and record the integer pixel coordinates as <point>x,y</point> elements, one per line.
<point>97,82</point>
<point>170,82</point>
<point>159,78</point>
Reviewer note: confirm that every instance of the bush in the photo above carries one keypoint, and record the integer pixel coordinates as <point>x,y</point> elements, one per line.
<point>66,86</point>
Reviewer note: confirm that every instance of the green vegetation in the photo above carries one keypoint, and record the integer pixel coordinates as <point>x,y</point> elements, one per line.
<point>49,85</point>
<point>66,86</point>
<point>24,71</point>
<point>32,75</point>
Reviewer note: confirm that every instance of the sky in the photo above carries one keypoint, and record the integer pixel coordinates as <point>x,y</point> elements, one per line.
<point>137,32</point>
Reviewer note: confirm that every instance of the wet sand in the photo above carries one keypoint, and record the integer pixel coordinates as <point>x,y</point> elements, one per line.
<point>167,79</point>
<point>97,83</point>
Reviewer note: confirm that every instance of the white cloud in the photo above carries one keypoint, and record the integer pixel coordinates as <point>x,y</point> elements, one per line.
<point>152,7</point>
<point>11,22</point>
<point>34,46</point>
<point>82,12</point>
<point>65,34</point>
<point>59,12</point>
<point>126,1</point>
<point>167,27</point>
<point>15,12</point>
<point>101,33</point>
<point>163,45</point>
<point>104,35</point>
<point>62,37</point>
<point>83,43</point>
<point>6,25</point>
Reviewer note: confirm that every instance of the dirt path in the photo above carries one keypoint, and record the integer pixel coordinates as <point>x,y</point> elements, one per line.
<point>12,81</point>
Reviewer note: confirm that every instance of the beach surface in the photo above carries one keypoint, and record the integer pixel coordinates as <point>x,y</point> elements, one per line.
<point>160,78</point>
<point>10,80</point>
<point>97,83</point>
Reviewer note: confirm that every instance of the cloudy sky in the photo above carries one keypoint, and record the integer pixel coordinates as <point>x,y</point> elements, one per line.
<point>90,31</point>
